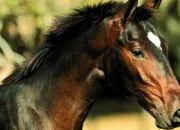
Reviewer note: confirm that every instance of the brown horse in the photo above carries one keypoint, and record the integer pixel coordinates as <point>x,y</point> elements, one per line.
<point>58,87</point>
<point>139,60</point>
<point>54,90</point>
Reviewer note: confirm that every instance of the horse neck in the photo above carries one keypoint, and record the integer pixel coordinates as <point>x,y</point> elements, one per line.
<point>72,100</point>
<point>71,95</point>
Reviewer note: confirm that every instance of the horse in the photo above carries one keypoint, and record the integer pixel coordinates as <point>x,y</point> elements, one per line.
<point>138,67</point>
<point>51,91</point>
<point>84,51</point>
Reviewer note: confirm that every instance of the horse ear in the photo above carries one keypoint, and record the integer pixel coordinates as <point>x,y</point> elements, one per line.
<point>130,7</point>
<point>146,11</point>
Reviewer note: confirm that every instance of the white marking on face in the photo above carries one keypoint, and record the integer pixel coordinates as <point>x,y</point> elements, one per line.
<point>154,39</point>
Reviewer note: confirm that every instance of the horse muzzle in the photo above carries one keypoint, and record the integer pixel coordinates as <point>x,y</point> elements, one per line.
<point>168,118</point>
<point>165,110</point>
<point>163,122</point>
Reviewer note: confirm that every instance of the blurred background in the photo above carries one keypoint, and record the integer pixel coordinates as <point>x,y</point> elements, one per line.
<point>23,23</point>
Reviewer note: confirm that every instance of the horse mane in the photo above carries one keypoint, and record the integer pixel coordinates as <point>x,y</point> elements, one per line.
<point>65,29</point>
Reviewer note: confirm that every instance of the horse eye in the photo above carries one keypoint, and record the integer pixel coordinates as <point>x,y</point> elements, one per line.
<point>138,53</point>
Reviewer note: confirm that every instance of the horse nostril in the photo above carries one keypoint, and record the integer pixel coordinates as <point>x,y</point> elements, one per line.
<point>176,119</point>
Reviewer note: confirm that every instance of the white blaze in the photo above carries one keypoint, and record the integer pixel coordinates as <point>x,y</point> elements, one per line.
<point>154,39</point>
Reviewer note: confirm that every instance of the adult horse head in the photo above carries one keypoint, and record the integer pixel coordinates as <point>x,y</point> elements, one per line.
<point>140,62</point>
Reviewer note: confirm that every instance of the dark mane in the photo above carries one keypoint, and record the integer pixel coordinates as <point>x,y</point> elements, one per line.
<point>65,29</point>
<point>81,20</point>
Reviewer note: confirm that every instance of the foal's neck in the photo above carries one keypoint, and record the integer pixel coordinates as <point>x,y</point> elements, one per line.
<point>74,94</point>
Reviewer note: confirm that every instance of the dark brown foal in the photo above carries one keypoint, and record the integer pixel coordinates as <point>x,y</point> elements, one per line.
<point>54,90</point>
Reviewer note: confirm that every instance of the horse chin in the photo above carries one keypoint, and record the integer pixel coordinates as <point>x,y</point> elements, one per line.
<point>161,117</point>
<point>163,122</point>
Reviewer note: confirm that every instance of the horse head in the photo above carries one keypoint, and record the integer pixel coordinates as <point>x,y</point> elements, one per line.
<point>139,61</point>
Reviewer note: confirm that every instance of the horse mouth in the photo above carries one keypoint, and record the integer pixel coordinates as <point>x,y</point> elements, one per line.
<point>162,122</point>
